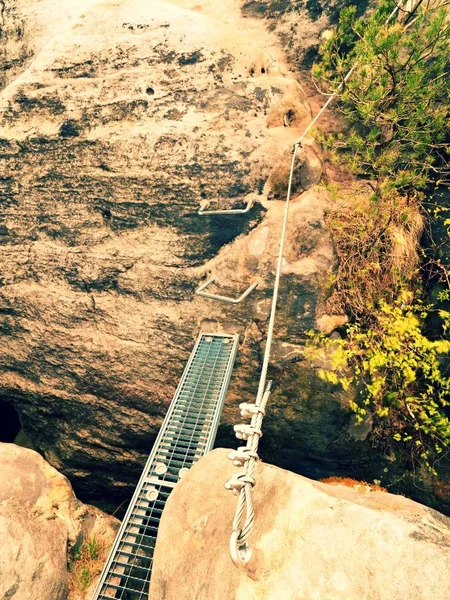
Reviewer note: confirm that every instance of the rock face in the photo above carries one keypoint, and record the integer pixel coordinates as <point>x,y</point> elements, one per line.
<point>119,120</point>
<point>26,27</point>
<point>299,23</point>
<point>39,519</point>
<point>310,541</point>
<point>119,130</point>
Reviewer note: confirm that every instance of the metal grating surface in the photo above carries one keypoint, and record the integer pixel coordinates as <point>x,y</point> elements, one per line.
<point>188,432</point>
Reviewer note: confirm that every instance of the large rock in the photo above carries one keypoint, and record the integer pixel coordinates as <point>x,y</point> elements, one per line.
<point>40,519</point>
<point>311,541</point>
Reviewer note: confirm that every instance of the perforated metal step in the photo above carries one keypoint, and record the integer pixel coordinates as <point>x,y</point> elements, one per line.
<point>188,432</point>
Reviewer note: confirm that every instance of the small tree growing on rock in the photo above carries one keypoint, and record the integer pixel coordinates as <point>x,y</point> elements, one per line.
<point>397,99</point>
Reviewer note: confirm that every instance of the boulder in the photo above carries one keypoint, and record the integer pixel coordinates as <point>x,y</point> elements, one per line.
<point>40,520</point>
<point>310,540</point>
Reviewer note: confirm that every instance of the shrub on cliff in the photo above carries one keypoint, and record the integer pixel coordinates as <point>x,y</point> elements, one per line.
<point>397,99</point>
<point>397,110</point>
<point>400,379</point>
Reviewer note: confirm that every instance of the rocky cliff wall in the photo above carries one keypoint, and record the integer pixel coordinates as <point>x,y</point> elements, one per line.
<point>122,119</point>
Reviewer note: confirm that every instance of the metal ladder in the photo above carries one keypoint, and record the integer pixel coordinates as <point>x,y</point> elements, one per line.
<point>187,433</point>
<point>201,289</point>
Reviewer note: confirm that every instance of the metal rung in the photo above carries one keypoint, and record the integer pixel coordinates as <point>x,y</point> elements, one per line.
<point>144,499</point>
<point>229,211</point>
<point>137,520</point>
<point>204,411</point>
<point>183,450</point>
<point>149,549</point>
<point>132,555</point>
<point>183,445</point>
<point>190,436</point>
<point>173,434</point>
<point>191,404</point>
<point>128,564</point>
<point>177,461</point>
<point>160,482</point>
<point>200,292</point>
<point>123,588</point>
<point>143,503</point>
<point>175,450</point>
<point>129,577</point>
<point>176,457</point>
<point>135,534</point>
<point>190,415</point>
<point>197,420</point>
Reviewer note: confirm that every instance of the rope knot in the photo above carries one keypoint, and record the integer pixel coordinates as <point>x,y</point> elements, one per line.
<point>242,455</point>
<point>244,431</point>
<point>238,481</point>
<point>248,410</point>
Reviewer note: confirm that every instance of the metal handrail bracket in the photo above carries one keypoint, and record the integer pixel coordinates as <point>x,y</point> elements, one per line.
<point>200,291</point>
<point>230,211</point>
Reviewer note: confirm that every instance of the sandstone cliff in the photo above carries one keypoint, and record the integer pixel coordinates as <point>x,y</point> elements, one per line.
<point>119,119</point>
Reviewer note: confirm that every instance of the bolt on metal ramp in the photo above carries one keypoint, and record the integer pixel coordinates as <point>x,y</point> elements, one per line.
<point>187,433</point>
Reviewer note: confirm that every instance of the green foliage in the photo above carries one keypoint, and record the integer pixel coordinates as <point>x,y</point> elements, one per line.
<point>396,100</point>
<point>435,254</point>
<point>397,110</point>
<point>399,376</point>
<point>85,563</point>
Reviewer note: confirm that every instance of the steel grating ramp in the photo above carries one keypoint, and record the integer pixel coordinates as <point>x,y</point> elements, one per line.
<point>187,433</point>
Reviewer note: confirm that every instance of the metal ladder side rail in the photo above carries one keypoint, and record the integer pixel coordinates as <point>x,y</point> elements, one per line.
<point>200,291</point>
<point>123,545</point>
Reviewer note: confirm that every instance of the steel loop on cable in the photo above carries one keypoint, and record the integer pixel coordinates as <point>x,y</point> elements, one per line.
<point>240,553</point>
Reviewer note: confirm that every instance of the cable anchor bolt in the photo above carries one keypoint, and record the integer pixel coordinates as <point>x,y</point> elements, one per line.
<point>248,410</point>
<point>238,481</point>
<point>242,455</point>
<point>244,431</point>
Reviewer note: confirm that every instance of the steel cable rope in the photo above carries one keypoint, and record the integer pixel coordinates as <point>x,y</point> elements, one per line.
<point>241,483</point>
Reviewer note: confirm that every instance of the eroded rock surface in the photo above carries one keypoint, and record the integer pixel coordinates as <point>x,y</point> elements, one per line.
<point>25,28</point>
<point>311,541</point>
<point>299,23</point>
<point>119,120</point>
<point>40,519</point>
<point>124,124</point>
